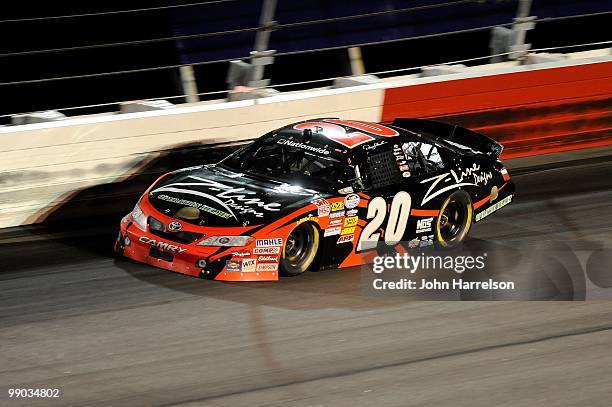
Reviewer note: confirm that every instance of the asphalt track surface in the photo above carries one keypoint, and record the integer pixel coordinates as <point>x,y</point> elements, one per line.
<point>112,332</point>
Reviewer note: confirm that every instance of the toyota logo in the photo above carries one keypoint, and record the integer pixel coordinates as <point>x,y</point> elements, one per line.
<point>175,226</point>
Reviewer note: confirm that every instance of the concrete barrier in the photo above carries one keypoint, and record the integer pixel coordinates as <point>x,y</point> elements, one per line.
<point>43,165</point>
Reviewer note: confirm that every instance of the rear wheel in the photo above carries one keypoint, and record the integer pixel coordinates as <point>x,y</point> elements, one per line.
<point>300,250</point>
<point>455,220</point>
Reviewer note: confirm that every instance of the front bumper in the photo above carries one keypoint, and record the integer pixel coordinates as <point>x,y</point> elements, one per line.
<point>222,263</point>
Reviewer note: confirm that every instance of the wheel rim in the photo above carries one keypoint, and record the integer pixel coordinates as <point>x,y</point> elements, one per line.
<point>300,248</point>
<point>454,221</point>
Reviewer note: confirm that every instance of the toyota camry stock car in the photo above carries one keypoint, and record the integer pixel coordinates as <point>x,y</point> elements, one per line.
<point>320,193</point>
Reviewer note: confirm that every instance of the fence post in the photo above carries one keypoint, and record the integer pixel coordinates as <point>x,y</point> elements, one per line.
<point>261,56</point>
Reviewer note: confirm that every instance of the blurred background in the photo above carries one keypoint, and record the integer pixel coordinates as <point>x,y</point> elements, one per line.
<point>65,54</point>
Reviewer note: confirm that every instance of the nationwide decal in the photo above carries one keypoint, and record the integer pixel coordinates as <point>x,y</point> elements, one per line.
<point>268,259</point>
<point>162,245</point>
<point>352,221</point>
<point>348,231</point>
<point>314,149</point>
<point>192,204</point>
<point>424,225</point>
<point>277,241</point>
<point>248,265</point>
<point>351,201</point>
<point>334,215</point>
<point>346,238</point>
<point>267,267</point>
<point>266,250</point>
<point>332,231</point>
<point>229,197</point>
<point>493,208</point>
<point>308,218</point>
<point>337,206</point>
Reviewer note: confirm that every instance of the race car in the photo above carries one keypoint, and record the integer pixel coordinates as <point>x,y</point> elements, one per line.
<point>321,193</point>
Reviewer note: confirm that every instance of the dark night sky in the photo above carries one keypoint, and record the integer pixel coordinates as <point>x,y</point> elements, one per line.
<point>24,36</point>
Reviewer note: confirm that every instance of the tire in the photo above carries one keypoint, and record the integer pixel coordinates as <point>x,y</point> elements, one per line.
<point>455,220</point>
<point>300,250</point>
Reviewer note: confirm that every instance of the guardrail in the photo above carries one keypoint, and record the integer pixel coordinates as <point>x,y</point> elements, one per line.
<point>532,109</point>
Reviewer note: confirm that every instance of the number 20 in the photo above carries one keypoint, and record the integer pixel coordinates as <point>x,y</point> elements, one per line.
<point>396,225</point>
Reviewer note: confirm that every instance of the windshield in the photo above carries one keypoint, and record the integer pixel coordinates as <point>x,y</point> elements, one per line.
<point>291,157</point>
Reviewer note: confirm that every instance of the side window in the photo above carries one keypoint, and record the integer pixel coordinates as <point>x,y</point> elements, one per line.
<point>422,158</point>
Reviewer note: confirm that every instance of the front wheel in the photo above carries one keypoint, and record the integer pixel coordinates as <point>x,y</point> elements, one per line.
<point>300,250</point>
<point>455,220</point>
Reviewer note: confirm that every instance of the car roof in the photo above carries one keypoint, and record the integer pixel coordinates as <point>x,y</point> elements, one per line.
<point>347,134</point>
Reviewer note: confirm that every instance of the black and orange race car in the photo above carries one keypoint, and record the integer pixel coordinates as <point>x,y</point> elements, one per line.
<point>320,193</point>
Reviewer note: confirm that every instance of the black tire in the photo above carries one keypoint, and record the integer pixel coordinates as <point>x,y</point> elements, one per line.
<point>300,250</point>
<point>455,220</point>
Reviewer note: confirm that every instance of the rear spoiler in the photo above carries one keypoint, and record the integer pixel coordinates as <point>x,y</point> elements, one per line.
<point>452,135</point>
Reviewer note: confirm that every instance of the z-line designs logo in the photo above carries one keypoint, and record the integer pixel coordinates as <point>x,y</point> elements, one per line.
<point>230,198</point>
<point>451,176</point>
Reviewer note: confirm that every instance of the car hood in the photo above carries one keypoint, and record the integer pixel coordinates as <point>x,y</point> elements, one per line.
<point>215,196</point>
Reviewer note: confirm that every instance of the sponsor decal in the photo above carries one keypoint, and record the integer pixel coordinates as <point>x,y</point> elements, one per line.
<point>335,215</point>
<point>233,265</point>
<point>351,201</point>
<point>162,245</point>
<point>277,241</point>
<point>493,208</point>
<point>404,168</point>
<point>352,212</point>
<point>414,243</point>
<point>266,250</point>
<point>494,193</point>
<point>175,226</point>
<point>348,231</point>
<point>406,174</point>
<point>323,207</point>
<point>352,221</point>
<point>337,206</point>
<point>267,267</point>
<point>346,238</point>
<point>332,231</point>
<point>241,254</point>
<point>347,190</point>
<point>321,150</point>
<point>426,241</point>
<point>424,225</point>
<point>248,265</point>
<point>307,219</point>
<point>335,222</point>
<point>268,259</point>
<point>192,204</point>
